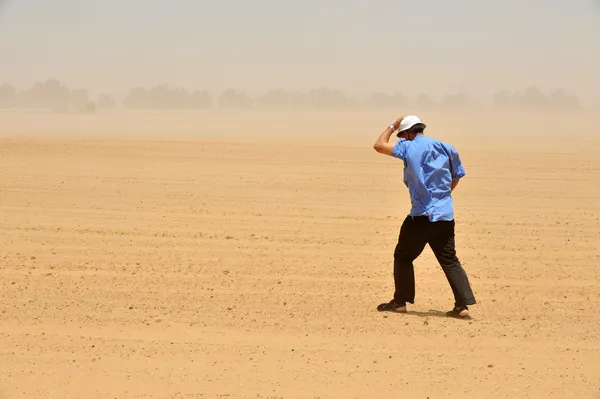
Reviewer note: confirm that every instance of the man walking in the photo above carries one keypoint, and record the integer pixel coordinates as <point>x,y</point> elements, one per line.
<point>432,170</point>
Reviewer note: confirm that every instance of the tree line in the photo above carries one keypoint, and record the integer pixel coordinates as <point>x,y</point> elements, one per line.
<point>55,95</point>
<point>52,95</point>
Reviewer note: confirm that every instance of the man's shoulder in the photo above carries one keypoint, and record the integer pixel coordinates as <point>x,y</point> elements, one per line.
<point>400,148</point>
<point>434,140</point>
<point>428,143</point>
<point>442,144</point>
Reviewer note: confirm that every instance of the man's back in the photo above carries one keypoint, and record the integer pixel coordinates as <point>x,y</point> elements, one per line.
<point>430,166</point>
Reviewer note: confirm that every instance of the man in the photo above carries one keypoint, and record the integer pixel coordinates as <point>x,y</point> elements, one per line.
<point>432,170</point>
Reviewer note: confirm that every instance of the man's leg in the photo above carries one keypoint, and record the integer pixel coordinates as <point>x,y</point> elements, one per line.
<point>443,246</point>
<point>411,242</point>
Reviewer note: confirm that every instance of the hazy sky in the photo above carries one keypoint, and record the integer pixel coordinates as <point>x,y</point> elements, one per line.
<point>426,46</point>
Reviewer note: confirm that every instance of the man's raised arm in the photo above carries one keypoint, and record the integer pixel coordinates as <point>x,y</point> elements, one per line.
<point>383,145</point>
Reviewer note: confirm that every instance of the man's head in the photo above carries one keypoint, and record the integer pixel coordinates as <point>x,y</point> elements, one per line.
<point>411,127</point>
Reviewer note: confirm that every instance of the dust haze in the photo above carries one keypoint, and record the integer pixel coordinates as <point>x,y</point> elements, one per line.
<point>177,71</point>
<point>191,206</point>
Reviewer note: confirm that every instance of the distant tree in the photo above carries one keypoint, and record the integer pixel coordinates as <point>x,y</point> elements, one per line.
<point>8,96</point>
<point>50,94</point>
<point>137,98</point>
<point>562,100</point>
<point>281,99</point>
<point>424,101</point>
<point>533,98</point>
<point>503,100</point>
<point>200,100</point>
<point>457,101</point>
<point>91,107</point>
<point>298,100</point>
<point>55,94</point>
<point>105,102</point>
<point>231,99</point>
<point>273,99</point>
<point>160,97</point>
<point>80,100</point>
<point>382,101</point>
<point>172,98</point>
<point>329,99</point>
<point>163,97</point>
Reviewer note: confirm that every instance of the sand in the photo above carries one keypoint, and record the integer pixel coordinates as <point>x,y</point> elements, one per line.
<point>219,267</point>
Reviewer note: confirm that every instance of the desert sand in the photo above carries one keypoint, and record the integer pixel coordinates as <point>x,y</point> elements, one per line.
<point>248,263</point>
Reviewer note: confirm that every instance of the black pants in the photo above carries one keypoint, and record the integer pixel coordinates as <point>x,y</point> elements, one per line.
<point>415,233</point>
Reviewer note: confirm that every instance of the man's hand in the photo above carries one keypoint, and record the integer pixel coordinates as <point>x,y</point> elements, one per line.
<point>454,184</point>
<point>383,145</point>
<point>397,123</point>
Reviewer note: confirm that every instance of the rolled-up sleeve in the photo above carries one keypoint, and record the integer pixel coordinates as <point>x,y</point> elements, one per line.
<point>457,169</point>
<point>399,150</point>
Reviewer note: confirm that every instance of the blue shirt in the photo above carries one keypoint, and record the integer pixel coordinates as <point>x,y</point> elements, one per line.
<point>429,168</point>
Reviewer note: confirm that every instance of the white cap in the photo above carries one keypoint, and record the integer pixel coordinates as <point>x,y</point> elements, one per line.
<point>409,122</point>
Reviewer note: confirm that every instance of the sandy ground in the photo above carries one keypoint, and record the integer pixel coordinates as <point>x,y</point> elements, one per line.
<point>215,269</point>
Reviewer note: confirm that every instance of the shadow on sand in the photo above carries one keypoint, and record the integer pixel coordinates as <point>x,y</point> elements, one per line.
<point>430,313</point>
